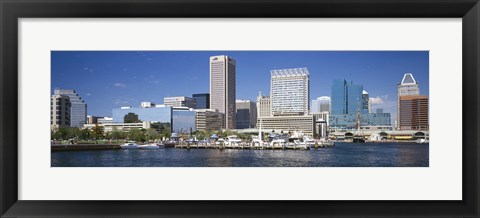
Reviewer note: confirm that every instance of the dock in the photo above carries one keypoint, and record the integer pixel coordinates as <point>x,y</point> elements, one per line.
<point>84,147</point>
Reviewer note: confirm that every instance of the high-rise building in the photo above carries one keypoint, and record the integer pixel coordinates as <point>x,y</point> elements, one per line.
<point>289,91</point>
<point>223,88</point>
<point>413,113</point>
<point>78,109</point>
<point>263,105</point>
<point>408,86</point>
<point>246,114</point>
<point>347,98</point>
<point>202,100</point>
<point>179,101</point>
<point>321,104</point>
<point>366,107</point>
<point>59,111</point>
<point>208,120</point>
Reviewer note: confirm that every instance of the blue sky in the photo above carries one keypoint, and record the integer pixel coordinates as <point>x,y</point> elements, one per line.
<point>111,79</point>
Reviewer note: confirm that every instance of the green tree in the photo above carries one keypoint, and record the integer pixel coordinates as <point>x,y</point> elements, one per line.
<point>117,134</point>
<point>151,134</point>
<point>61,134</point>
<point>136,135</point>
<point>73,133</point>
<point>85,134</point>
<point>97,132</point>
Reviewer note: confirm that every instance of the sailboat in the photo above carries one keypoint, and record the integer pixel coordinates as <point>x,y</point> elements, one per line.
<point>358,137</point>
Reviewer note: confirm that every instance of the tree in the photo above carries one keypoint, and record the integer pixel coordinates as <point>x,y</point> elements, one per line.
<point>85,134</point>
<point>97,131</point>
<point>151,134</point>
<point>61,134</point>
<point>136,135</point>
<point>117,134</point>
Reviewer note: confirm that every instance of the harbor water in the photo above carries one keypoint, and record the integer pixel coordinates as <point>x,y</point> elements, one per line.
<point>342,155</point>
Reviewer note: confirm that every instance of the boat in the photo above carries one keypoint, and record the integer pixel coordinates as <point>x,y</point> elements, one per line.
<point>358,137</point>
<point>422,141</point>
<point>149,146</point>
<point>233,141</point>
<point>130,145</point>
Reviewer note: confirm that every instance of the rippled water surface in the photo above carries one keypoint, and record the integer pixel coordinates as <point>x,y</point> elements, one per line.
<point>342,155</point>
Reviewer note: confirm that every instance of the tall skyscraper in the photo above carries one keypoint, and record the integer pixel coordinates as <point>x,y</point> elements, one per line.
<point>223,88</point>
<point>78,109</point>
<point>263,105</point>
<point>59,111</point>
<point>246,114</point>
<point>321,104</point>
<point>203,100</point>
<point>412,113</point>
<point>347,98</point>
<point>289,91</point>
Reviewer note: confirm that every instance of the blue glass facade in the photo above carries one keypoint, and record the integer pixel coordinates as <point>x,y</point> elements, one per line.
<point>183,121</point>
<point>354,98</point>
<point>349,121</point>
<point>203,100</point>
<point>338,96</point>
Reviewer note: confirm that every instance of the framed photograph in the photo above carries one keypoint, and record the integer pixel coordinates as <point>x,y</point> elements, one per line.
<point>227,108</point>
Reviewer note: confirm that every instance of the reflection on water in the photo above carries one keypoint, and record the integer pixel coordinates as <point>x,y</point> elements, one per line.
<point>342,155</point>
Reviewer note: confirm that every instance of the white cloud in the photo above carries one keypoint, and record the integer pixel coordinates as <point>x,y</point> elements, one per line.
<point>119,85</point>
<point>376,100</point>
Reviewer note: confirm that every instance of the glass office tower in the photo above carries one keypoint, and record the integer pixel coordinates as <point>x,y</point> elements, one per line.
<point>78,109</point>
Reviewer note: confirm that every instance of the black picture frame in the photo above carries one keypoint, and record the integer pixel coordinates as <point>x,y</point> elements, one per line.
<point>12,10</point>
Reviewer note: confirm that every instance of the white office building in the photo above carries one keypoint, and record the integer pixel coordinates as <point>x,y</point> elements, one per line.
<point>289,91</point>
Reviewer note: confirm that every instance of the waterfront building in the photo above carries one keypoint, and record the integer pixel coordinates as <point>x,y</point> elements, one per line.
<point>179,101</point>
<point>78,109</point>
<point>289,91</point>
<point>177,120</point>
<point>202,100</point>
<point>246,114</point>
<point>59,111</point>
<point>321,104</point>
<point>263,105</point>
<point>208,120</point>
<point>108,127</point>
<point>413,113</point>
<point>183,120</point>
<point>147,104</point>
<point>408,86</point>
<point>348,98</point>
<point>349,121</point>
<point>303,123</point>
<point>223,88</point>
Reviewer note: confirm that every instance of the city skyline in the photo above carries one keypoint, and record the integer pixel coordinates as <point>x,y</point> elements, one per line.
<point>113,79</point>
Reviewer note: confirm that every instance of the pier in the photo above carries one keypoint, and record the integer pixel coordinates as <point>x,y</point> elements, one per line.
<point>84,147</point>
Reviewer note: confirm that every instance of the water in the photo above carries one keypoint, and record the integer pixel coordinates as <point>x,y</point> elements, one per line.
<point>342,155</point>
